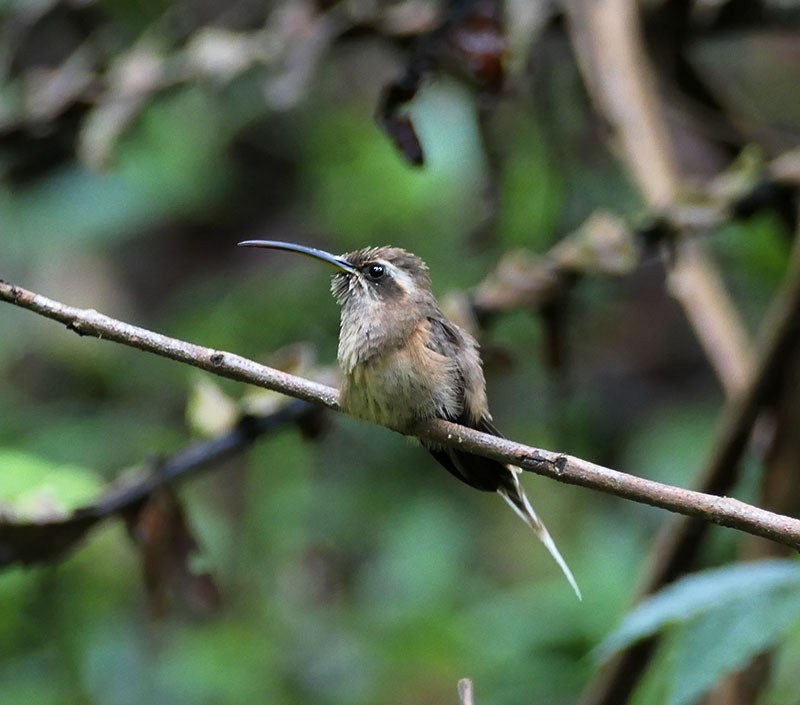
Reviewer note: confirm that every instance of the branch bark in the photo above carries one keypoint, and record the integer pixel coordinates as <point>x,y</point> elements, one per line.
<point>31,542</point>
<point>679,545</point>
<point>565,468</point>
<point>617,73</point>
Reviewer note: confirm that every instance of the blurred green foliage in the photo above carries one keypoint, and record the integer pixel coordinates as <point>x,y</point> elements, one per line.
<point>352,568</point>
<point>720,618</point>
<point>74,207</point>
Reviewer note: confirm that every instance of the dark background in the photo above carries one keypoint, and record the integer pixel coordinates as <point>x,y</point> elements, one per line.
<point>139,141</point>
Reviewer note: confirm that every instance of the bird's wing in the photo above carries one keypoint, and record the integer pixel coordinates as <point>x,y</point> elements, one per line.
<point>480,473</point>
<point>449,340</point>
<point>486,425</point>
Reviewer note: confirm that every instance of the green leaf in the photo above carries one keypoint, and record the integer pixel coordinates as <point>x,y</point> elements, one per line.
<point>161,170</point>
<point>723,640</point>
<point>726,591</point>
<point>209,411</point>
<point>33,488</point>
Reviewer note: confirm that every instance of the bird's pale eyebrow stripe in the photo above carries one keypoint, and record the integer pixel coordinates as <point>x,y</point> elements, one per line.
<point>403,278</point>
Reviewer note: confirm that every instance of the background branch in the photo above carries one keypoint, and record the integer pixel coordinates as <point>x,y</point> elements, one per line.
<point>721,510</point>
<point>40,541</point>
<point>679,545</point>
<point>619,76</point>
<point>617,195</point>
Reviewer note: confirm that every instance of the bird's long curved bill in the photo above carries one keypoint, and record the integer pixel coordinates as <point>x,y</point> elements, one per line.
<point>334,260</point>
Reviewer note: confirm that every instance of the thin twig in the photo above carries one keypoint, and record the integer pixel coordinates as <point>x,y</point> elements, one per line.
<point>608,244</point>
<point>608,44</point>
<point>202,455</point>
<point>645,146</point>
<point>465,696</point>
<point>721,510</point>
<point>697,284</point>
<point>97,325</point>
<point>30,542</point>
<point>679,544</point>
<point>608,40</point>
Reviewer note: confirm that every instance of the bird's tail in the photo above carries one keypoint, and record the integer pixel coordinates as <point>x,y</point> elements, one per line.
<point>515,497</point>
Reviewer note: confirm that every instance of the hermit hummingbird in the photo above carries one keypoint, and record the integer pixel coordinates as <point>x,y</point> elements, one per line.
<point>403,361</point>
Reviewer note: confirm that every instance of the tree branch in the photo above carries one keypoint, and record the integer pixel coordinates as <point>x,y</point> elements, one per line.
<point>29,542</point>
<point>679,545</point>
<point>617,73</point>
<point>720,510</point>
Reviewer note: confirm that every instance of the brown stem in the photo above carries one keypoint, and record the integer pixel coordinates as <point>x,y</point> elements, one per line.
<point>721,510</point>
<point>608,43</point>
<point>679,544</point>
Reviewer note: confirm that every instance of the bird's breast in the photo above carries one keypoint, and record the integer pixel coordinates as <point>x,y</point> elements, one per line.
<point>400,386</point>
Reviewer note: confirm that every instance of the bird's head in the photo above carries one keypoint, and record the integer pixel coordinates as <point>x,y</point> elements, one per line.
<point>375,277</point>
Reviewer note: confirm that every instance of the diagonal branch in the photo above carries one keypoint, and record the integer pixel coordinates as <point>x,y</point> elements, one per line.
<point>30,542</point>
<point>680,543</point>
<point>609,45</point>
<point>720,510</point>
<point>97,325</point>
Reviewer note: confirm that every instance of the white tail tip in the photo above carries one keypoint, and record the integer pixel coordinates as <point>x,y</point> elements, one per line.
<point>523,509</point>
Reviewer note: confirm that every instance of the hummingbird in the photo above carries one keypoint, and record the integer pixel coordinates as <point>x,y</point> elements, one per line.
<point>403,362</point>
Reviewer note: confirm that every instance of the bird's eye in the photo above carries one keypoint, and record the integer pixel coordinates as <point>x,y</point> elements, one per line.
<point>376,272</point>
